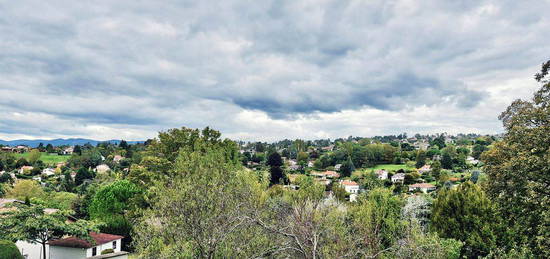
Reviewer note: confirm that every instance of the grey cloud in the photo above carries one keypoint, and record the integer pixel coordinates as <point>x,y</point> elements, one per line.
<point>162,59</point>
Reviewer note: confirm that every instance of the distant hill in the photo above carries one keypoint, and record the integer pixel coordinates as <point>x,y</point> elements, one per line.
<point>59,142</point>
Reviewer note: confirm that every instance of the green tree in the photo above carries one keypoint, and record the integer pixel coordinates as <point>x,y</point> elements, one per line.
<point>25,189</point>
<point>420,158</point>
<point>203,211</point>
<point>77,150</point>
<point>447,161</point>
<point>81,175</point>
<point>49,148</point>
<point>466,214</point>
<point>518,168</point>
<point>436,169</point>
<point>274,161</point>
<point>34,156</point>
<point>347,168</point>
<point>8,250</point>
<point>34,225</point>
<point>377,220</point>
<point>110,205</point>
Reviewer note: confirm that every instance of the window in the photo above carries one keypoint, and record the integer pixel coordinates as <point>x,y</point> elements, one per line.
<point>114,245</point>
<point>94,251</point>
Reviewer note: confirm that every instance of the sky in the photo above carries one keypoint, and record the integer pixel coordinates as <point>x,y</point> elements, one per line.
<point>265,70</point>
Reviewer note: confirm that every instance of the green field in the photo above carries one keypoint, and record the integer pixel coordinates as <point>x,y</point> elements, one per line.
<point>47,158</point>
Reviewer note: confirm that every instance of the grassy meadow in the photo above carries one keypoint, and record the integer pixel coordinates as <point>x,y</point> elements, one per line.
<point>47,158</point>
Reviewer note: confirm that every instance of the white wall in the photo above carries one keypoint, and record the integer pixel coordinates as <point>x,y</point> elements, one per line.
<point>33,251</point>
<point>60,252</point>
<point>104,247</point>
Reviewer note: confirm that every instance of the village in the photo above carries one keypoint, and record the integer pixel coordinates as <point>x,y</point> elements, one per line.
<point>419,167</point>
<point>410,166</point>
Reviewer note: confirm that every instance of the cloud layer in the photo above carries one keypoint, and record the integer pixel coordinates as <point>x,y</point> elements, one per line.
<point>265,69</point>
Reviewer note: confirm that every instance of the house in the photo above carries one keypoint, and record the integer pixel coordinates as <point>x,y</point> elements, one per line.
<point>424,187</point>
<point>422,145</point>
<point>7,149</point>
<point>350,186</point>
<point>328,148</point>
<point>472,160</point>
<point>398,178</point>
<point>310,164</point>
<point>425,169</point>
<point>382,174</point>
<point>76,248</point>
<point>293,165</point>
<point>48,172</point>
<point>117,158</point>
<point>68,151</point>
<point>326,174</point>
<point>103,168</point>
<point>337,167</point>
<point>21,149</point>
<point>25,169</point>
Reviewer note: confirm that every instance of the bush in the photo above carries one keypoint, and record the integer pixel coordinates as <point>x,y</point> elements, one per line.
<point>107,251</point>
<point>9,250</point>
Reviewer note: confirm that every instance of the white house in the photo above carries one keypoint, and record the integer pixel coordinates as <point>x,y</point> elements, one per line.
<point>398,178</point>
<point>76,248</point>
<point>472,160</point>
<point>337,167</point>
<point>424,187</point>
<point>382,174</point>
<point>68,151</point>
<point>350,186</point>
<point>48,172</point>
<point>103,168</point>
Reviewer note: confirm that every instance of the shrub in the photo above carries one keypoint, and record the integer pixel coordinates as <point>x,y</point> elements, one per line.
<point>107,251</point>
<point>9,250</point>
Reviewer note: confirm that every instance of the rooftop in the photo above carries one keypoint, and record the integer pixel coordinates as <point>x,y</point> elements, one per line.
<point>99,238</point>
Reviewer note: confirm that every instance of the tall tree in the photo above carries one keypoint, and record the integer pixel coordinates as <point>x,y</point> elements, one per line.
<point>81,175</point>
<point>447,161</point>
<point>77,150</point>
<point>347,168</point>
<point>518,168</point>
<point>274,161</point>
<point>466,214</point>
<point>110,205</point>
<point>420,158</point>
<point>203,211</point>
<point>49,148</point>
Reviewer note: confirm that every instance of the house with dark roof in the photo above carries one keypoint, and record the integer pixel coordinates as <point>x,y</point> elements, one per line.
<point>76,248</point>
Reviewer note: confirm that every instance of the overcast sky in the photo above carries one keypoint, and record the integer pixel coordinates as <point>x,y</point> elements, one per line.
<point>265,70</point>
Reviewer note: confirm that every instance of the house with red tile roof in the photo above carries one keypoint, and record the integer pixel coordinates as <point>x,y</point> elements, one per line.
<point>350,186</point>
<point>76,248</point>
